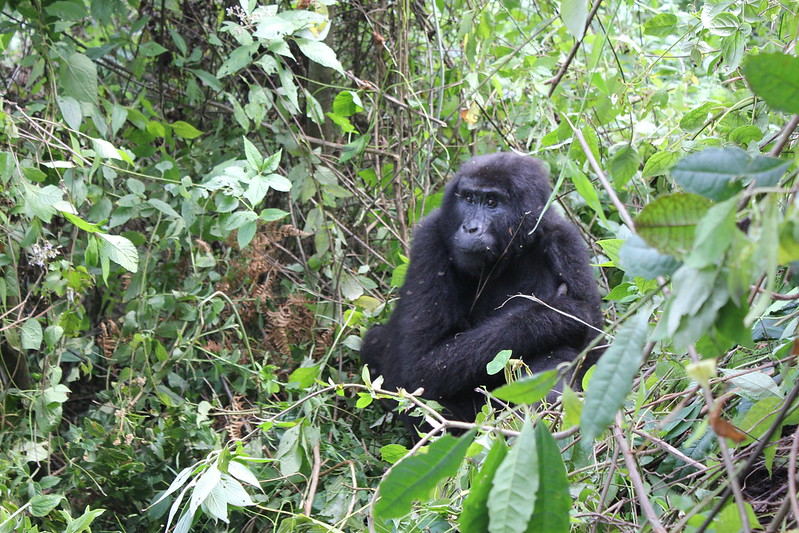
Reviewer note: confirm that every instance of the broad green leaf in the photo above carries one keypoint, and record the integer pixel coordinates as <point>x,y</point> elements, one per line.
<point>278,182</point>
<point>528,390</point>
<point>611,248</point>
<point>347,103</point>
<point>759,418</point>
<point>208,79</point>
<point>119,250</point>
<point>79,78</point>
<point>690,289</point>
<point>82,224</point>
<point>498,363</point>
<point>732,50</point>
<point>415,477</point>
<point>254,157</point>
<point>319,52</point>
<point>31,335</point>
<point>82,523</point>
<point>584,188</point>
<point>661,25</point>
<point>237,60</point>
<point>151,49</point>
<point>713,234</point>
<point>163,207</point>
<point>70,110</point>
<point>185,130</point>
<point>743,135</point>
<point>754,386</point>
<point>696,118</point>
<point>659,163</point>
<point>575,15</point>
<point>613,377</point>
<point>105,150</point>
<point>724,24</point>
<point>775,78</point>
<point>42,504</point>
<point>624,165</point>
<point>474,516</point>
<point>515,485</point>
<point>712,173</point>
<point>398,275</point>
<point>271,214</point>
<point>391,453</point>
<point>552,501</point>
<point>246,233</point>
<point>669,223</point>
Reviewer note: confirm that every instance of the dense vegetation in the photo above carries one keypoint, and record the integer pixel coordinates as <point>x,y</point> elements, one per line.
<point>204,206</point>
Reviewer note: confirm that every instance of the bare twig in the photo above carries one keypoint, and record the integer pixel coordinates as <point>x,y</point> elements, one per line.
<point>559,76</point>
<point>754,456</point>
<point>792,475</point>
<point>635,477</point>
<point>317,465</point>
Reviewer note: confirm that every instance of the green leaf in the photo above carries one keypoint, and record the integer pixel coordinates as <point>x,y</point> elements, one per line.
<point>398,276</point>
<point>552,501</point>
<point>415,477</point>
<point>659,163</point>
<point>79,78</point>
<point>391,453</point>
<point>713,234</point>
<point>696,118</point>
<point>613,377</point>
<point>712,173</point>
<point>498,363</point>
<point>347,103</point>
<point>624,165</point>
<point>105,150</point>
<point>163,207</point>
<point>528,390</point>
<point>743,135</point>
<point>151,49</point>
<point>661,25</point>
<point>70,110</point>
<point>185,130</point>
<point>775,78</point>
<point>119,250</point>
<point>724,24</point>
<point>319,52</point>
<point>82,523</point>
<point>31,335</point>
<point>82,224</point>
<point>278,182</point>
<point>271,214</point>
<point>515,485</point>
<point>42,504</point>
<point>246,233</point>
<point>575,15</point>
<point>717,173</point>
<point>669,222</point>
<point>254,157</point>
<point>474,516</point>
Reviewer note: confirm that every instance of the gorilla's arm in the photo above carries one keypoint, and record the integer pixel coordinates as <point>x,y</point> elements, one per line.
<point>448,364</point>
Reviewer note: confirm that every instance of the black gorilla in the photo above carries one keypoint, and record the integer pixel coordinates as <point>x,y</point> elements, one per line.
<point>484,245</point>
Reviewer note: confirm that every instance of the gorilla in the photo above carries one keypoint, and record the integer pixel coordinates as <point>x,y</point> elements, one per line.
<point>489,241</point>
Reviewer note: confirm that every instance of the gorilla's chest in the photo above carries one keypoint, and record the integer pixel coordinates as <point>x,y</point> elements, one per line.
<point>528,277</point>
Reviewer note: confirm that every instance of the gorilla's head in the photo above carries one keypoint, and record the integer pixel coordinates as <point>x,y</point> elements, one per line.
<point>490,207</point>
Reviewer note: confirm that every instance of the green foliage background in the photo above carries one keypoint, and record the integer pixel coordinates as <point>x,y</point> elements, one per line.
<point>205,205</point>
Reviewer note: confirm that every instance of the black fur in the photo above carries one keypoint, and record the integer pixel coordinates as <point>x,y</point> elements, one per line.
<point>467,259</point>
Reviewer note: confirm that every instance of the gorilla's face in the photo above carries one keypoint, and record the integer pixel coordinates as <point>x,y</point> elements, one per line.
<point>490,209</point>
<point>481,215</point>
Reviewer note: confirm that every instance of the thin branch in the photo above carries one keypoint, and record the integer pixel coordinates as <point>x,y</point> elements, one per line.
<point>559,76</point>
<point>635,477</point>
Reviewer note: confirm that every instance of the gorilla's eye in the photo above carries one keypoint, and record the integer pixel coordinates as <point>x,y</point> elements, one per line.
<point>469,197</point>
<point>491,200</point>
